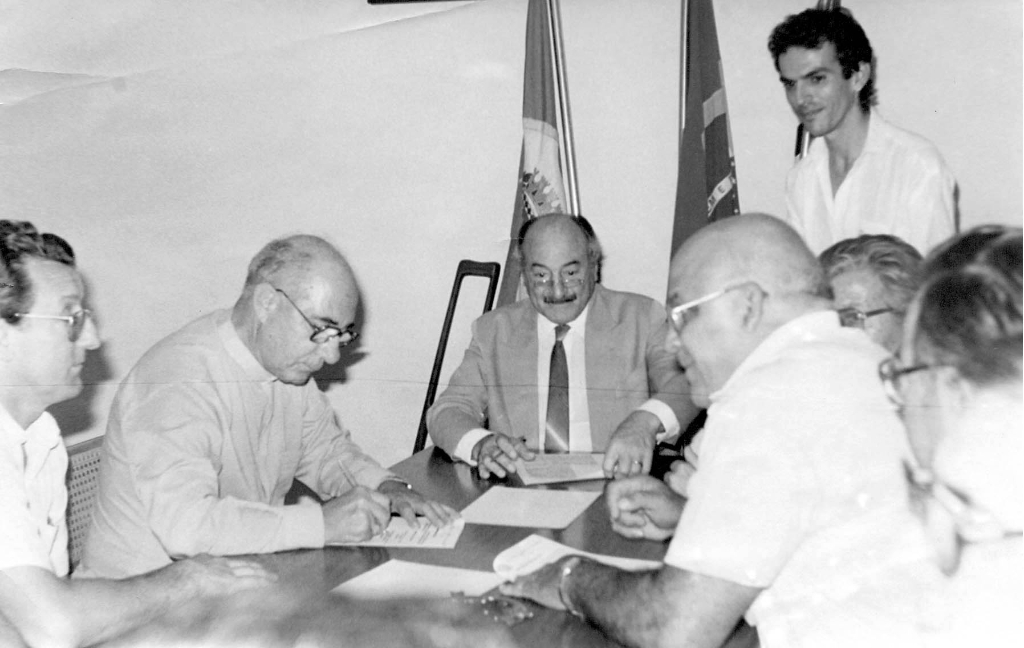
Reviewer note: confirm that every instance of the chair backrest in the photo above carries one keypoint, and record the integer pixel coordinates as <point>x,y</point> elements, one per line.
<point>467,268</point>
<point>83,481</point>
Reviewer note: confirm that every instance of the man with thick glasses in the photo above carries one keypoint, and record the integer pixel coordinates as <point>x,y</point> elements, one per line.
<point>211,427</point>
<point>800,462</point>
<point>873,278</point>
<point>45,334</point>
<point>576,367</point>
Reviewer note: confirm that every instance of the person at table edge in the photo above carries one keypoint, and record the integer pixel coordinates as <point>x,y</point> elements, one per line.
<point>625,390</point>
<point>210,428</point>
<point>800,487</point>
<point>45,335</point>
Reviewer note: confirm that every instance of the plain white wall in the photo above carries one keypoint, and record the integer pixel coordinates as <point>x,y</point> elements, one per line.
<point>400,142</point>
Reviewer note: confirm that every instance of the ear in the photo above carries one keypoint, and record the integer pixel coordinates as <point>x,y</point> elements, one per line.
<point>264,301</point>
<point>751,304</point>
<point>954,389</point>
<point>860,78</point>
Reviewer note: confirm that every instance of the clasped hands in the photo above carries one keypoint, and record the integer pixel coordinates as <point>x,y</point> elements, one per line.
<point>362,513</point>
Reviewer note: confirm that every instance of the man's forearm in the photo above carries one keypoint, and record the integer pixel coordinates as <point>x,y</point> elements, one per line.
<point>625,605</point>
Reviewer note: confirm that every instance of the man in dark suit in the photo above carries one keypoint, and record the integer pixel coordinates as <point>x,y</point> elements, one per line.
<point>574,368</point>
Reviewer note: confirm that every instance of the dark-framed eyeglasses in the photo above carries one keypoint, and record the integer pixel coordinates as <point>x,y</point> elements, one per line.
<point>891,371</point>
<point>855,318</point>
<point>677,315</point>
<point>75,321</point>
<point>324,333</point>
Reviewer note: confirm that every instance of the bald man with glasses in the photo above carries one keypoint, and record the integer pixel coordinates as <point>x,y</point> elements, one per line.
<point>211,427</point>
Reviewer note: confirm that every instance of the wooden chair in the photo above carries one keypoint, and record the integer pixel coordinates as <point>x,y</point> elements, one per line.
<point>83,481</point>
<point>467,268</point>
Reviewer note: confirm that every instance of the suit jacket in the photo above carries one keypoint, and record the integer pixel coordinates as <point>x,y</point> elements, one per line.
<point>626,364</point>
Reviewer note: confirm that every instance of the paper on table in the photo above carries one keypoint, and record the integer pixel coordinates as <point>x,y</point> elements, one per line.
<point>401,534</point>
<point>533,552</point>
<point>524,507</point>
<point>560,467</point>
<point>400,579</point>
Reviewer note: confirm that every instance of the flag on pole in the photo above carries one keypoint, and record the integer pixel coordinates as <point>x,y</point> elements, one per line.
<point>540,189</point>
<point>706,189</point>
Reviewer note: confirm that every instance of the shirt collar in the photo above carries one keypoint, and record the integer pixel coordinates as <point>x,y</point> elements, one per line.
<point>241,353</point>
<point>43,432</point>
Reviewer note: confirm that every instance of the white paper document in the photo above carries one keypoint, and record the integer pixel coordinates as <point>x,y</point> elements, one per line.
<point>401,534</point>
<point>533,552</point>
<point>561,467</point>
<point>401,579</point>
<point>524,507</point>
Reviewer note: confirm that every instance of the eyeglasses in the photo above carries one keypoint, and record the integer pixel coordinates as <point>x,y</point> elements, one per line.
<point>890,372</point>
<point>678,314</point>
<point>571,281</point>
<point>951,513</point>
<point>75,321</point>
<point>323,334</point>
<point>855,318</point>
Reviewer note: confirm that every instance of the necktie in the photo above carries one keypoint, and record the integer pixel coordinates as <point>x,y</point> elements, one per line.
<point>557,437</point>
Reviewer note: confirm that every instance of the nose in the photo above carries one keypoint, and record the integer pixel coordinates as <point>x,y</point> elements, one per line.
<point>90,336</point>
<point>331,352</point>
<point>557,288</point>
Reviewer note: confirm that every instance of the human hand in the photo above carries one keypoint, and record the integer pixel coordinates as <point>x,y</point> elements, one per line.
<point>408,503</point>
<point>643,507</point>
<point>497,454</point>
<point>216,575</point>
<point>678,476</point>
<point>631,448</point>
<point>359,514</point>
<point>540,586</point>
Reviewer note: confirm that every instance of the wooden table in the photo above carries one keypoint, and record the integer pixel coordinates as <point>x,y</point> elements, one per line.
<point>456,484</point>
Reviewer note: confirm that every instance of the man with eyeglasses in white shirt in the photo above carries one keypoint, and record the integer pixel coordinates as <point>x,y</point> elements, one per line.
<point>576,367</point>
<point>800,464</point>
<point>45,335</point>
<point>211,427</point>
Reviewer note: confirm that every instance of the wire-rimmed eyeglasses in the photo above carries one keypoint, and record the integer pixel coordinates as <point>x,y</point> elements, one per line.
<point>677,314</point>
<point>75,321</point>
<point>324,333</point>
<point>855,318</point>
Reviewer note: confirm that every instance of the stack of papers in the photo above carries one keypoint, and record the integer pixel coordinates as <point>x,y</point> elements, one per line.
<point>562,467</point>
<point>400,533</point>
<point>533,552</point>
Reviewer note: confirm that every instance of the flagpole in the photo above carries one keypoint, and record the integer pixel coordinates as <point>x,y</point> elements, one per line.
<point>682,77</point>
<point>565,118</point>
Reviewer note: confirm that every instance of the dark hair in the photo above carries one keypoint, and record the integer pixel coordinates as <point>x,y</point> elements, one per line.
<point>594,252</point>
<point>895,262</point>
<point>19,241</point>
<point>813,28</point>
<point>970,305</point>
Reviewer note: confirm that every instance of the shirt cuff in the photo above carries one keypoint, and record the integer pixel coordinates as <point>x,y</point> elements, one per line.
<point>464,450</point>
<point>665,415</point>
<point>303,526</point>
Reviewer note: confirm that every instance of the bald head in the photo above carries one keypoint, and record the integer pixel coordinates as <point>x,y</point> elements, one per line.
<point>749,247</point>
<point>297,288</point>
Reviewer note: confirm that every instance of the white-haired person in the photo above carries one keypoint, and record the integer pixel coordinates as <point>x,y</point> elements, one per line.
<point>957,380</point>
